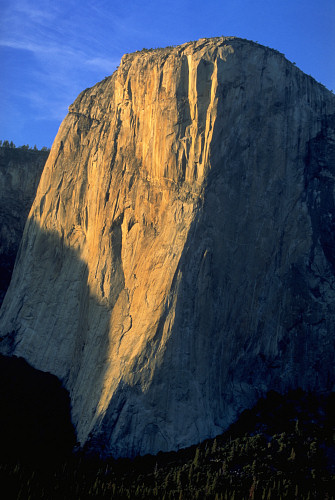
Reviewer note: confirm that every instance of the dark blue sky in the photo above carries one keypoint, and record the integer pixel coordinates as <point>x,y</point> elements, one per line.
<point>51,50</point>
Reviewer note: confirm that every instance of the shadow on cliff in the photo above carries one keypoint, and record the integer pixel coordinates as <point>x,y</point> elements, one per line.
<point>257,343</point>
<point>47,277</point>
<point>7,262</point>
<point>217,360</point>
<point>319,179</point>
<point>20,172</point>
<point>228,346</point>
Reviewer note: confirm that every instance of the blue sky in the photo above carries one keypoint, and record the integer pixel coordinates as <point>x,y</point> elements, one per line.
<point>51,50</point>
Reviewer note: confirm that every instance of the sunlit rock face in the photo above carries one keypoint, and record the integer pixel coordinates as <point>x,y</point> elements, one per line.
<point>20,172</point>
<point>179,257</point>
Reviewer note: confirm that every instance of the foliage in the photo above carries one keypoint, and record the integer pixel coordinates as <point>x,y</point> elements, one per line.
<point>284,448</point>
<point>25,147</point>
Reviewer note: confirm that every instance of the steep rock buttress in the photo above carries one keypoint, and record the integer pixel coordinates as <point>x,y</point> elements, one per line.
<point>179,258</point>
<point>20,172</point>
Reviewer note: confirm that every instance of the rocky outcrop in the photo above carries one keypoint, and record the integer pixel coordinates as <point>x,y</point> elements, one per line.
<point>178,260</point>
<point>20,172</point>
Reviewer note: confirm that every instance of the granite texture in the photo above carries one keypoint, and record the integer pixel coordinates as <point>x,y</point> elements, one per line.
<point>178,261</point>
<point>20,172</point>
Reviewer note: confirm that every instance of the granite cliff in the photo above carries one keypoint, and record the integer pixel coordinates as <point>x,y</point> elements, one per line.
<point>20,172</point>
<point>179,257</point>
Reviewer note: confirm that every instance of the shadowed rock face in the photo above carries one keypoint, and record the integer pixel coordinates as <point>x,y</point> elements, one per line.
<point>178,261</point>
<point>20,172</point>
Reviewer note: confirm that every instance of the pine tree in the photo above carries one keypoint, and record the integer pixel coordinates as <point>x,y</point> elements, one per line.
<point>190,473</point>
<point>196,458</point>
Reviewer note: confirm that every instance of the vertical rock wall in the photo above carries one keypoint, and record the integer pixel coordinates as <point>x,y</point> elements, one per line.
<point>20,172</point>
<point>178,258</point>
